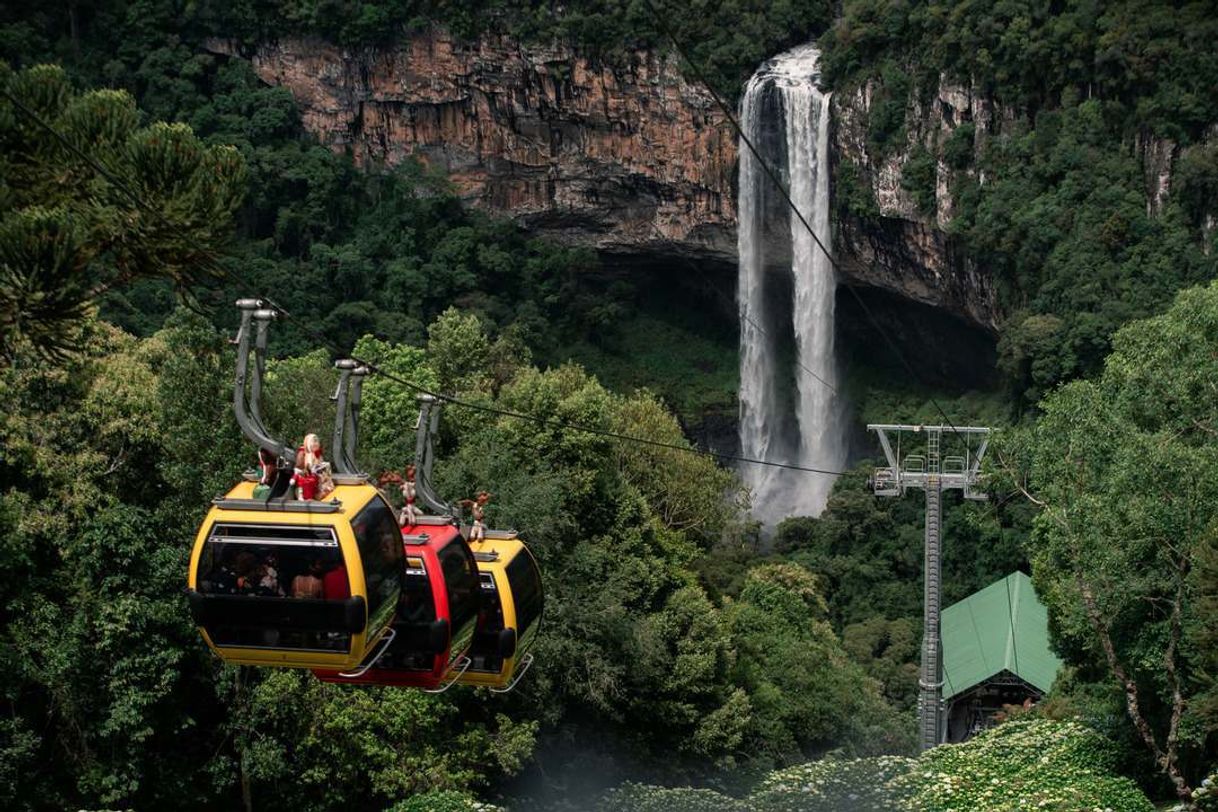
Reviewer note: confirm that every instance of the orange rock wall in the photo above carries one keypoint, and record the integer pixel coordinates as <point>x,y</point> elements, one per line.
<point>624,158</point>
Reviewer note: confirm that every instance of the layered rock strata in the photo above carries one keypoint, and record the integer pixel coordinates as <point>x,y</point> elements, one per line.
<point>906,249</point>
<point>631,158</point>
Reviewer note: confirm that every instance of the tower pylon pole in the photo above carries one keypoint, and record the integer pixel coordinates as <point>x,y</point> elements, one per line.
<point>933,473</point>
<point>930,677</point>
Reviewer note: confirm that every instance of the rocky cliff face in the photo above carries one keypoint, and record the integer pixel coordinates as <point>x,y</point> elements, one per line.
<point>906,249</point>
<point>631,159</point>
<point>626,159</point>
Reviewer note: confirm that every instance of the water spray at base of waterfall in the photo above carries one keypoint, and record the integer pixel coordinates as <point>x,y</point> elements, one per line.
<point>790,409</point>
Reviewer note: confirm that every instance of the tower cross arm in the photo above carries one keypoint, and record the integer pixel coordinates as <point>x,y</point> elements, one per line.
<point>921,428</point>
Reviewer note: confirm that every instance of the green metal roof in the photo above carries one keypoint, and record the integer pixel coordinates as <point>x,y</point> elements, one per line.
<point>1003,627</point>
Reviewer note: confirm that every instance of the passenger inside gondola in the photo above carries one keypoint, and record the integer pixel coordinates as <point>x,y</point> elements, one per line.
<point>236,561</point>
<point>309,584</point>
<point>334,585</point>
<point>268,576</point>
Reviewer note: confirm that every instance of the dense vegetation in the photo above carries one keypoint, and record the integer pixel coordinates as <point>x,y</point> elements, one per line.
<point>675,648</point>
<point>1052,195</point>
<point>726,38</point>
<point>1124,543</point>
<point>113,455</point>
<point>361,252</point>
<point>113,451</point>
<point>1089,194</point>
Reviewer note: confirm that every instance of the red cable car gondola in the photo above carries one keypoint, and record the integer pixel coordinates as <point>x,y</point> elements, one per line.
<point>437,614</point>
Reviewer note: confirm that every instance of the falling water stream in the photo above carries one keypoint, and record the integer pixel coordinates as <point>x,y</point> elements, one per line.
<point>789,407</point>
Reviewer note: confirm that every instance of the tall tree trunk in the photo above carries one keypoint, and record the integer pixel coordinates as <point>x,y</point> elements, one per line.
<point>1177,696</point>
<point>1132,699</point>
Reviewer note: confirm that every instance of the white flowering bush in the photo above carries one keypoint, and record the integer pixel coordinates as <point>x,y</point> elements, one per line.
<point>443,801</point>
<point>643,798</point>
<point>858,785</point>
<point>1205,796</point>
<point>1027,764</point>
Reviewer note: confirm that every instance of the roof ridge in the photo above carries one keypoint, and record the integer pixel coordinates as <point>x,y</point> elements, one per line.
<point>1000,627</point>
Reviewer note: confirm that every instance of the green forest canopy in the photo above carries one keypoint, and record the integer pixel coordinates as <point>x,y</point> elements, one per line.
<point>1081,93</point>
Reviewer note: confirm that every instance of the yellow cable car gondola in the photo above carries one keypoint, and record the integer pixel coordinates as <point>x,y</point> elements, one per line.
<point>254,574</point>
<point>512,600</point>
<point>301,583</point>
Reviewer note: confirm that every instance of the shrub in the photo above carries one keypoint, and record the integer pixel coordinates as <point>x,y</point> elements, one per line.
<point>446,800</point>
<point>858,785</point>
<point>1034,763</point>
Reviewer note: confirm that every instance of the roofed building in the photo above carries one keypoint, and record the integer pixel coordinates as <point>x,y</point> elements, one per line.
<point>995,652</point>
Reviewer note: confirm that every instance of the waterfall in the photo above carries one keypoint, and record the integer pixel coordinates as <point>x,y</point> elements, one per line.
<point>789,409</point>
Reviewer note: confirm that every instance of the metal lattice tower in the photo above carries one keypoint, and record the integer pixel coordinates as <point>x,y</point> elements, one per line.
<point>933,474</point>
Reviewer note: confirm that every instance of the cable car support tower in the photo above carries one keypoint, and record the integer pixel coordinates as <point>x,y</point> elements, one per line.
<point>933,473</point>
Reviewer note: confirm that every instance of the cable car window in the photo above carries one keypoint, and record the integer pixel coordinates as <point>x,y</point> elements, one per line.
<point>484,653</point>
<point>461,575</point>
<point>380,548</point>
<point>269,579</point>
<point>416,612</point>
<point>417,605</point>
<point>526,591</point>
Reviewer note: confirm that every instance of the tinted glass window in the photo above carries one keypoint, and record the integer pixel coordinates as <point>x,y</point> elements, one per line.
<point>380,549</point>
<point>417,604</point>
<point>484,653</point>
<point>275,573</point>
<point>461,576</point>
<point>416,612</point>
<point>526,591</point>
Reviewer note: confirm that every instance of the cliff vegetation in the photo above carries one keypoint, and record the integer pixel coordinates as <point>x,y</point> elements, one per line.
<point>1075,166</point>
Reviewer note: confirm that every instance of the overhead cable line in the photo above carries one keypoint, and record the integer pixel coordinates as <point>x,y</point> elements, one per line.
<point>560,424</point>
<point>225,274</point>
<point>539,420</point>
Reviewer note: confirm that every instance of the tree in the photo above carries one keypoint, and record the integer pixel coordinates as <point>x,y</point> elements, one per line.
<point>687,491</point>
<point>1125,473</point>
<point>304,744</point>
<point>102,661</point>
<point>70,232</point>
<point>806,693</point>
